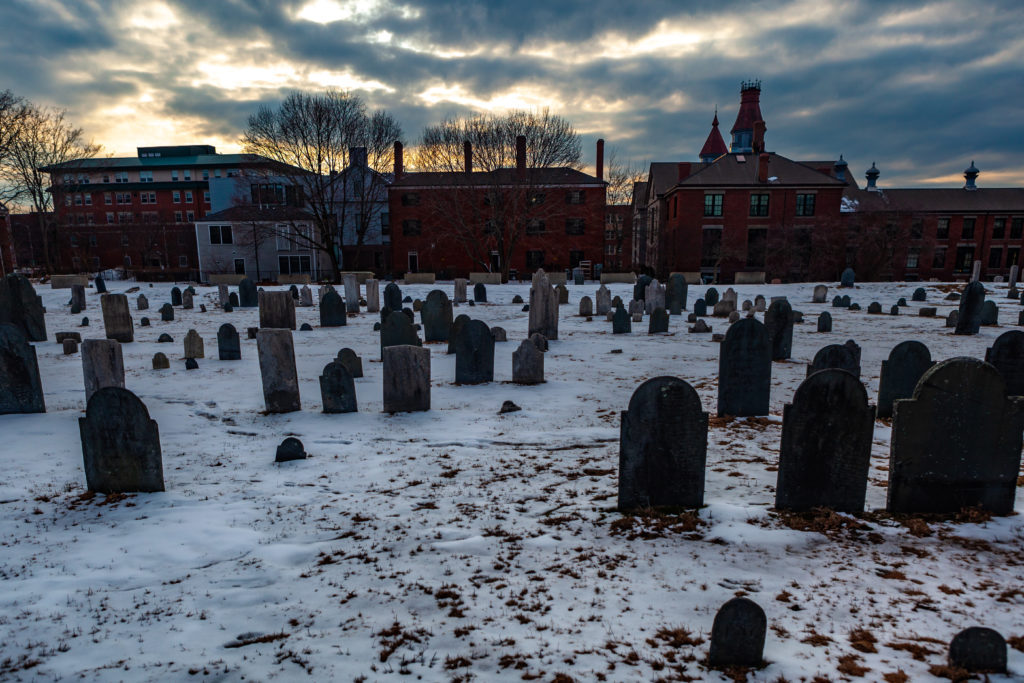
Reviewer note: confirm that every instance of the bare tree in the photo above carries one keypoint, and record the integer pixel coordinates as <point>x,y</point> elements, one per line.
<point>622,175</point>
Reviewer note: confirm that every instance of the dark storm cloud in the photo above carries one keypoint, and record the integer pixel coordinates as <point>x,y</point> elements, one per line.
<point>922,87</point>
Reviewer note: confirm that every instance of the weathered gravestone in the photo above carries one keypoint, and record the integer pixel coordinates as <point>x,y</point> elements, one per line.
<point>305,296</point>
<point>117,319</point>
<point>745,370</point>
<point>976,271</point>
<point>186,300</point>
<point>920,294</point>
<point>337,389</point>
<point>232,302</point>
<point>120,444</point>
<point>332,310</point>
<point>77,299</point>
<point>175,296</point>
<point>229,346</point>
<point>294,292</point>
<point>603,300</point>
<point>838,356</point>
<point>586,307</point>
<point>194,346</point>
<point>290,449</point>
<point>102,365</point>
<point>22,307</point>
<point>499,334</point>
<point>874,308</point>
<point>952,319</point>
<point>658,322</point>
<point>164,338</point>
<point>759,303</point>
<point>372,295</point>
<point>895,310</point>
<point>474,354</point>
<point>248,296</point>
<point>527,364</point>
<point>711,297</point>
<point>479,293</point>
<point>543,307</point>
<point>406,379</point>
<point>540,341</point>
<point>167,313</point>
<point>160,361</point>
<point>276,352</point>
<point>223,295</point>
<point>562,294</point>
<point>779,321</point>
<point>700,327</point>
<point>989,314</point>
<point>636,310</point>
<point>142,303</point>
<point>621,322</point>
<point>907,362</point>
<point>277,310</point>
<point>978,649</point>
<point>927,311</point>
<point>398,330</point>
<point>453,334</point>
<point>820,294</point>
<point>675,294</point>
<point>824,322</point>
<point>1014,272</point>
<point>640,287</point>
<point>352,362</point>
<point>848,278</point>
<point>700,308</point>
<point>737,634</point>
<point>837,301</point>
<point>971,301</point>
<point>69,346</point>
<point>20,388</point>
<point>101,286</point>
<point>654,296</point>
<point>957,442</point>
<point>460,290</point>
<point>351,293</point>
<point>826,444</point>
<point>436,316</point>
<point>1007,354</point>
<point>662,447</point>
<point>191,364</point>
<point>393,297</point>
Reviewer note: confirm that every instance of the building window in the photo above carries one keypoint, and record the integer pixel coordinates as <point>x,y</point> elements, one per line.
<point>188,196</point>
<point>145,176</point>
<point>220,234</point>
<point>964,259</point>
<point>916,229</point>
<point>190,216</point>
<point>574,226</point>
<point>412,262</point>
<point>1012,257</point>
<point>239,266</point>
<point>176,197</point>
<point>108,198</point>
<point>177,216</point>
<point>92,241</point>
<point>74,240</point>
<point>267,194</point>
<point>174,175</point>
<point>148,197</point>
<point>942,231</point>
<point>995,257</point>
<point>574,197</point>
<point>713,204</point>
<point>124,217</point>
<point>106,177</point>
<point>87,199</point>
<point>216,174</point>
<point>998,228</point>
<point>534,226</point>
<point>913,257</point>
<point>124,197</point>
<point>187,174</point>
<point>759,204</point>
<point>410,199</point>
<point>110,218</point>
<point>536,198</point>
<point>77,199</point>
<point>710,247</point>
<point>757,238</point>
<point>535,259</point>
<point>411,227</point>
<point>206,174</point>
<point>206,196</point>
<point>385,224</point>
<point>121,177</point>
<point>805,204</point>
<point>1016,228</point>
<point>294,265</point>
<point>968,230</point>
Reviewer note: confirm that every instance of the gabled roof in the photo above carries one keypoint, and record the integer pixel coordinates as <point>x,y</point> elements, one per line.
<point>714,145</point>
<point>938,200</point>
<point>561,175</point>
<point>741,169</point>
<point>639,193</point>
<point>661,177</point>
<point>249,213</point>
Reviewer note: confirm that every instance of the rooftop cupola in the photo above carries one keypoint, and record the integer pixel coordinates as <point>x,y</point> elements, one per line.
<point>840,168</point>
<point>749,114</point>
<point>714,146</point>
<point>872,176</point>
<point>971,176</point>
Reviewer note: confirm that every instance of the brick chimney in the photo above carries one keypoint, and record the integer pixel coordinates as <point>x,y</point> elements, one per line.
<point>684,170</point>
<point>600,159</point>
<point>357,156</point>
<point>758,143</point>
<point>467,156</point>
<point>399,165</point>
<point>762,167</point>
<point>521,157</point>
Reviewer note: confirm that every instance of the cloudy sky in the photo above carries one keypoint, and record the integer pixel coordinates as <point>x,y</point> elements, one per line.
<point>922,88</point>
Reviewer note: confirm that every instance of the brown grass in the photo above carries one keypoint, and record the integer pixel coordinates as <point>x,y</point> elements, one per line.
<point>650,524</point>
<point>863,640</point>
<point>850,665</point>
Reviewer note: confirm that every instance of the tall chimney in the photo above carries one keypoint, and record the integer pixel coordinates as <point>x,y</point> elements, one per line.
<point>762,167</point>
<point>521,156</point>
<point>600,159</point>
<point>399,164</point>
<point>467,156</point>
<point>758,144</point>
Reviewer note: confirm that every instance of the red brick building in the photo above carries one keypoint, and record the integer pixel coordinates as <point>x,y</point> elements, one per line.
<point>7,261</point>
<point>618,238</point>
<point>509,220</point>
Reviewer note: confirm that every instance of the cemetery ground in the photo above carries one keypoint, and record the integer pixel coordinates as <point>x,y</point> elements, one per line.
<point>459,544</point>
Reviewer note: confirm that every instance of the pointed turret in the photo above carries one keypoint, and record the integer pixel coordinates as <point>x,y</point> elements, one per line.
<point>714,146</point>
<point>743,141</point>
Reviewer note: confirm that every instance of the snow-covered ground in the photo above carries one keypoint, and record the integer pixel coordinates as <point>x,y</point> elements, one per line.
<point>460,544</point>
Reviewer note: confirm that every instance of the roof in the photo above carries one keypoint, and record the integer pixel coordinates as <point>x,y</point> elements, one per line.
<point>199,160</point>
<point>662,176</point>
<point>728,170</point>
<point>714,145</point>
<point>639,193</point>
<point>236,214</point>
<point>938,200</point>
<point>561,175</point>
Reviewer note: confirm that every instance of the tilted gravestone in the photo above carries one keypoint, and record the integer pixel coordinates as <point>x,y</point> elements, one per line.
<point>276,352</point>
<point>406,379</point>
<point>989,314</point>
<point>453,334</point>
<point>351,293</point>
<point>586,307</point>
<point>848,278</point>
<point>738,634</point>
<point>745,370</point>
<point>957,442</point>
<point>175,296</point>
<point>826,444</point>
<point>191,364</point>
<point>398,330</point>
<point>825,322</point>
<point>1007,354</point>
<point>120,444</point>
<point>474,354</point>
<point>117,318</point>
<point>839,356</point>
<point>248,297</point>
<point>436,316</point>
<point>969,316</point>
<point>372,295</point>
<point>675,294</point>
<point>102,365</point>
<point>658,322</point>
<point>907,362</point>
<point>479,293</point>
<point>186,300</point>
<point>920,294</point>
<point>20,388</point>
<point>662,447</point>
<point>978,649</point>
<point>229,346</point>
<point>352,362</point>
<point>779,321</point>
<point>603,300</point>
<point>621,322</point>
<point>460,290</point>
<point>543,307</point>
<point>194,346</point>
<point>332,310</point>
<point>167,313</point>
<point>277,310</point>
<point>22,307</point>
<point>820,294</point>
<point>393,297</point>
<point>337,389</point>
<point>711,297</point>
<point>527,364</point>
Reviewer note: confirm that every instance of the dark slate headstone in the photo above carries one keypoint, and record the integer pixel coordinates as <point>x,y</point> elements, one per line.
<point>160,361</point>
<point>229,347</point>
<point>856,307</point>
<point>895,310</point>
<point>406,379</point>
<point>848,278</point>
<point>120,444</point>
<point>144,322</point>
<point>248,297</point>
<point>276,351</point>
<point>700,308</point>
<point>250,332</point>
<point>874,308</point>
<point>617,301</point>
<point>902,302</point>
<point>61,336</point>
<point>191,364</point>
<point>957,442</point>
<point>621,322</point>
<point>676,294</point>
<point>1007,354</point>
<point>290,449</point>
<point>85,322</point>
<point>352,362</point>
<point>517,299</point>
<point>658,321</point>
<point>927,311</point>
<point>277,310</point>
<point>640,287</point>
<point>436,316</point>
<point>332,310</point>
<point>499,334</point>
<point>22,307</point>
<point>700,327</point>
<point>69,346</point>
<point>711,297</point>
<point>474,354</point>
<point>971,301</point>
<point>845,301</point>
<point>479,293</point>
<point>294,291</point>
<point>175,296</point>
<point>305,327</point>
<point>407,300</point>
<point>527,364</point>
<point>955,296</point>
<point>779,321</point>
<point>167,313</point>
<point>837,356</point>
<point>737,634</point>
<point>457,324</point>
<point>398,330</point>
<point>232,301</point>
<point>919,294</point>
<point>21,391</point>
<point>907,362</point>
<point>837,301</point>
<point>101,286</point>
<point>164,338</point>
<point>337,389</point>
<point>825,322</point>
<point>989,314</point>
<point>393,297</point>
<point>826,444</point>
<point>744,370</point>
<point>978,649</point>
<point>663,447</point>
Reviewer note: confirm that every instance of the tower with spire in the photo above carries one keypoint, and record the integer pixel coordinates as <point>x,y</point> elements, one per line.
<point>743,131</point>
<point>714,146</point>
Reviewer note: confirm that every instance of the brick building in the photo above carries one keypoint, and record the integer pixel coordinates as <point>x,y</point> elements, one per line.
<point>509,220</point>
<point>7,260</point>
<point>618,238</point>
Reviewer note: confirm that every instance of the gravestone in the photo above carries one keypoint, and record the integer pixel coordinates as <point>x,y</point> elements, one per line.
<point>248,296</point>
<point>952,319</point>
<point>144,322</point>
<point>874,308</point>
<point>603,301</point>
<point>251,332</point>
<point>577,276</point>
<point>20,388</point>
<point>1007,354</point>
<point>837,356</point>
<point>22,307</point>
<point>927,311</point>
<point>586,307</point>
<point>160,361</point>
<point>748,306</point>
<point>759,303</point>
<point>85,322</point>
<point>919,294</point>
<point>978,649</point>
<point>989,314</point>
<point>779,321</point>
<point>848,278</point>
<point>901,302</point>
<point>640,287</point>
<point>745,370</point>
<point>194,347</point>
<point>457,324</point>
<point>837,301</point>
<point>398,330</point>
<point>540,341</point>
<point>621,323</point>
<point>737,634</point>
<point>393,297</point>
<point>277,310</point>
<point>711,297</point>
<point>276,352</point>
<point>969,316</point>
<point>636,310</point>
<point>543,307</point>
<point>417,305</point>
<point>233,301</point>
<point>826,444</point>
<point>517,300</point>
<point>662,447</point>
<point>499,334</point>
<point>907,363</point>
<point>186,300</point>
<point>175,296</point>
<point>479,293</point>
<point>229,346</point>
<point>294,292</point>
<point>290,449</point>
<point>332,310</point>
<point>734,317</point>
<point>372,295</point>
<point>527,364</point>
<point>561,294</point>
<point>700,308</point>
<point>976,271</point>
<point>191,364</point>
<point>654,296</point>
<point>824,322</point>
<point>120,444</point>
<point>102,365</point>
<point>1014,272</point>
<point>117,319</point>
<point>474,354</point>
<point>658,322</point>
<point>700,327</point>
<point>223,295</point>
<point>856,307</point>
<point>77,299</point>
<point>337,389</point>
<point>820,294</point>
<point>352,362</point>
<point>460,290</point>
<point>164,338</point>
<point>167,313</point>
<point>100,285</point>
<point>142,303</point>
<point>61,336</point>
<point>351,293</point>
<point>895,310</point>
<point>675,294</point>
<point>305,296</point>
<point>436,316</point>
<point>69,346</point>
<point>406,379</point>
<point>957,442</point>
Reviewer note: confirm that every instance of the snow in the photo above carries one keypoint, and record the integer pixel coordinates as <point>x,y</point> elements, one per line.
<point>849,205</point>
<point>458,544</point>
